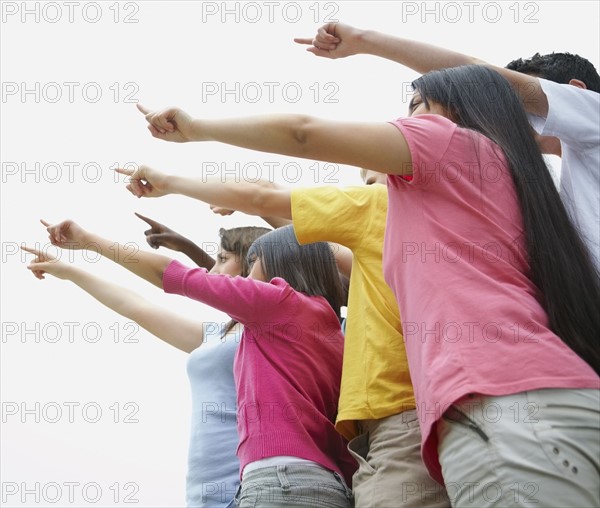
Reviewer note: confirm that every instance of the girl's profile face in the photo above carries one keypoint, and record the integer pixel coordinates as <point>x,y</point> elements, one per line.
<point>228,263</point>
<point>418,107</point>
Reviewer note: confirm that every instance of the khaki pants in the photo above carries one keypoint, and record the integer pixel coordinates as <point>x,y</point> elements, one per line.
<point>537,449</point>
<point>391,473</point>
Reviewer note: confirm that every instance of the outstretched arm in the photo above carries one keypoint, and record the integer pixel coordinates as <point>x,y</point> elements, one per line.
<point>147,265</point>
<point>263,198</point>
<point>160,235</point>
<point>180,332</point>
<point>274,222</point>
<point>377,146</point>
<point>338,40</point>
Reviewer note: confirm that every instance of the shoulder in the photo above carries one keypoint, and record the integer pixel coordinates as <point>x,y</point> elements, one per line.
<point>555,90</point>
<point>428,137</point>
<point>437,123</point>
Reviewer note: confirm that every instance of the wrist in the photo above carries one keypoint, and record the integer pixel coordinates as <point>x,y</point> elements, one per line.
<point>198,131</point>
<point>366,42</point>
<point>70,272</point>
<point>174,184</point>
<point>96,243</point>
<point>88,241</point>
<point>363,41</point>
<point>183,245</point>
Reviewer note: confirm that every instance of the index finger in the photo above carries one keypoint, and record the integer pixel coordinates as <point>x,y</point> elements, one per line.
<point>51,231</point>
<point>147,220</point>
<point>142,109</point>
<point>31,250</point>
<point>124,171</point>
<point>302,40</point>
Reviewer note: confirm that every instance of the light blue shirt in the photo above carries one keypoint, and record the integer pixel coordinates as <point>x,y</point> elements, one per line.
<point>213,467</point>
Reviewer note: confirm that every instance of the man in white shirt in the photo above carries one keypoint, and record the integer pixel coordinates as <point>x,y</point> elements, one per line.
<point>572,88</point>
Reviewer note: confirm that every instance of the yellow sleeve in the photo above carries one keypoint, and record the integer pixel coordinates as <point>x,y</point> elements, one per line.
<point>334,215</point>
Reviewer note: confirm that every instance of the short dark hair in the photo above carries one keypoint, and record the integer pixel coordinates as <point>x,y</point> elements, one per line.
<point>310,269</point>
<point>238,241</point>
<point>560,68</point>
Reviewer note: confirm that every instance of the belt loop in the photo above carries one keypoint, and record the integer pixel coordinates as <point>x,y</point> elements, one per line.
<point>283,479</point>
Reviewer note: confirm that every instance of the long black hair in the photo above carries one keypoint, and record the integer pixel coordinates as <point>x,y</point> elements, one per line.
<point>310,269</point>
<point>480,99</point>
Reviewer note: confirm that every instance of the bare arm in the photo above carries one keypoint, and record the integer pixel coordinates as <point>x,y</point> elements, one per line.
<point>343,258</point>
<point>276,222</point>
<point>180,332</point>
<point>263,198</point>
<point>147,265</point>
<point>197,254</point>
<point>377,146</point>
<point>337,40</point>
<point>160,235</point>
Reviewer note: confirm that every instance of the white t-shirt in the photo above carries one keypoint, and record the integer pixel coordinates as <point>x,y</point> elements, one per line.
<point>574,118</point>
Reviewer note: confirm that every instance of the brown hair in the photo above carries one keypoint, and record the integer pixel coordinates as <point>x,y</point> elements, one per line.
<point>238,241</point>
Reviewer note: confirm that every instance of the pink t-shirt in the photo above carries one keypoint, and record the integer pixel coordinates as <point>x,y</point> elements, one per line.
<point>287,368</point>
<point>454,255</point>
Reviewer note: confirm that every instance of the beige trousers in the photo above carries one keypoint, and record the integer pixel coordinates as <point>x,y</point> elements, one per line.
<point>537,449</point>
<point>390,471</point>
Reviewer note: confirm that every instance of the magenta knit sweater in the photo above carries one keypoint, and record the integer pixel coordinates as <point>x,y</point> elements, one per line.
<point>287,368</point>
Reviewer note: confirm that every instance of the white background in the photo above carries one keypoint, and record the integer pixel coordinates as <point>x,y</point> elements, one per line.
<point>168,57</point>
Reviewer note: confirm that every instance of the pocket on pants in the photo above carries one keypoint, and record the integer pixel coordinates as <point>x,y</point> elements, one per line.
<point>455,416</point>
<point>569,435</point>
<point>359,449</point>
<point>246,496</point>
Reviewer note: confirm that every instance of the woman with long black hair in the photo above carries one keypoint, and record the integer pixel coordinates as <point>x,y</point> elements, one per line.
<point>497,293</point>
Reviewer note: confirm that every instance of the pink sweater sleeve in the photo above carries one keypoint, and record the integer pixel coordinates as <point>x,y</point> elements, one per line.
<point>243,299</point>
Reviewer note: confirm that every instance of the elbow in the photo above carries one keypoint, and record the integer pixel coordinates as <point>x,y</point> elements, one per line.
<point>158,282</point>
<point>302,130</point>
<point>159,272</point>
<point>262,198</point>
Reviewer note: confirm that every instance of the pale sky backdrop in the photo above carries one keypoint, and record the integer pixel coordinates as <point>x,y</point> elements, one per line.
<point>94,409</point>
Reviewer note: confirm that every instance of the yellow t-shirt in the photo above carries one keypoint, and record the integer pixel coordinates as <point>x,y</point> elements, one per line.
<point>375,378</point>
